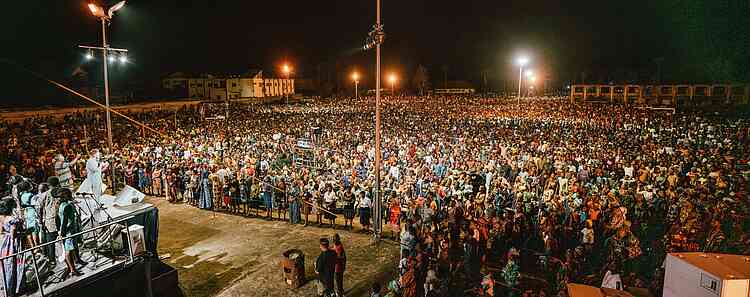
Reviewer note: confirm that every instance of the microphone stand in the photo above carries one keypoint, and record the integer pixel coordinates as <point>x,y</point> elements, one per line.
<point>93,220</point>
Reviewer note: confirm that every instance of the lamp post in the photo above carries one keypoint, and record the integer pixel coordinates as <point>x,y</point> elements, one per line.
<point>374,39</point>
<point>106,17</point>
<point>522,61</point>
<point>392,79</point>
<point>287,70</point>
<point>355,77</point>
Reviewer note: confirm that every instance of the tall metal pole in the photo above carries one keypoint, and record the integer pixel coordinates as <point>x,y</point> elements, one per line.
<point>356,89</point>
<point>106,84</point>
<point>520,77</point>
<point>106,99</point>
<point>378,203</point>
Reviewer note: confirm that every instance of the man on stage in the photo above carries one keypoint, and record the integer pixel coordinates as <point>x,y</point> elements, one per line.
<point>94,173</point>
<point>62,170</point>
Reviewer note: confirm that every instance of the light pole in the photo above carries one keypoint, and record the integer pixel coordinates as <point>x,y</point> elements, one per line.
<point>392,79</point>
<point>355,77</point>
<point>105,18</point>
<point>522,61</point>
<point>287,70</point>
<point>375,39</point>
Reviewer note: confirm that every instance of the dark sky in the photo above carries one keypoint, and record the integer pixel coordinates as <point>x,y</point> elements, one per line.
<point>567,40</point>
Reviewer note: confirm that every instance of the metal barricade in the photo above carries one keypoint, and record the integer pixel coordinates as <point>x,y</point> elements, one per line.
<point>39,281</point>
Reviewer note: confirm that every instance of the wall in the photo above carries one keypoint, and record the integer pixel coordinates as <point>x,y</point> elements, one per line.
<point>681,279</point>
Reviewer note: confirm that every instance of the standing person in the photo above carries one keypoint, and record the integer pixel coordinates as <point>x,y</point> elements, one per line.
<point>205,189</point>
<point>156,180</point>
<point>12,267</point>
<point>68,226</point>
<point>48,215</point>
<point>30,215</point>
<point>364,211</point>
<point>267,199</point>
<point>338,247</point>
<point>94,174</point>
<point>325,267</point>
<point>62,170</point>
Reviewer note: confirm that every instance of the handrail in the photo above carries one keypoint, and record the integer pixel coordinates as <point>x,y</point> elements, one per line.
<point>303,201</point>
<point>66,237</point>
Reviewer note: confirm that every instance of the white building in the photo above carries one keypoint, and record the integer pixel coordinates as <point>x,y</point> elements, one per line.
<point>706,275</point>
<point>248,85</point>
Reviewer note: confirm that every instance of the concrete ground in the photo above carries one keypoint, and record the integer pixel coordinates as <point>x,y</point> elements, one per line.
<point>218,254</point>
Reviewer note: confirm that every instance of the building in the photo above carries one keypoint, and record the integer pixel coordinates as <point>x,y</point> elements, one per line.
<point>706,275</point>
<point>251,84</point>
<point>663,95</point>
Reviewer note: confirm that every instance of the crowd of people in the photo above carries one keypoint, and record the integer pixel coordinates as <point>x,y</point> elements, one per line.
<point>485,196</point>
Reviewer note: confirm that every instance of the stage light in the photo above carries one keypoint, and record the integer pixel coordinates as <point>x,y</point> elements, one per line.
<point>111,58</point>
<point>89,55</point>
<point>123,59</point>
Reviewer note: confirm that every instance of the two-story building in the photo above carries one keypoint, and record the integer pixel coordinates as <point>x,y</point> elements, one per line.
<point>247,85</point>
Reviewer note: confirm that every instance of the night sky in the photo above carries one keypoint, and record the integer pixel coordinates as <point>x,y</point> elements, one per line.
<point>568,41</point>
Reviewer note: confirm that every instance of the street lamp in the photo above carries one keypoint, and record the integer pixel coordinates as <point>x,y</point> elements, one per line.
<point>99,12</point>
<point>392,79</point>
<point>375,38</point>
<point>355,77</point>
<point>287,70</point>
<point>522,61</point>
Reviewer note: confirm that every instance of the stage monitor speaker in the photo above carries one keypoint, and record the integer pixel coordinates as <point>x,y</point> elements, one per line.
<point>128,196</point>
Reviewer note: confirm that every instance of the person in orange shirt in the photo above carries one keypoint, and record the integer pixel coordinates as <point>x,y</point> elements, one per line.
<point>394,219</point>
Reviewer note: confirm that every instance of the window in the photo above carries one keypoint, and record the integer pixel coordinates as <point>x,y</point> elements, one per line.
<point>738,91</point>
<point>578,89</point>
<point>234,85</point>
<point>700,91</point>
<point>682,91</point>
<point>632,90</point>
<point>709,283</point>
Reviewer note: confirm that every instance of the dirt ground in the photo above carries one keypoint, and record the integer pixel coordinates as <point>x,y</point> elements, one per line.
<point>218,254</point>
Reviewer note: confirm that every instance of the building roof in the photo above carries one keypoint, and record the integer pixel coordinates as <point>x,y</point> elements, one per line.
<point>724,266</point>
<point>578,290</point>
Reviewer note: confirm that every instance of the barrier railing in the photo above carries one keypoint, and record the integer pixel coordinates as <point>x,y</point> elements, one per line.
<point>94,230</point>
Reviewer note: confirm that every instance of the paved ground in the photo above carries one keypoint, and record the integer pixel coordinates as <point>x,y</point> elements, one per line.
<point>219,254</point>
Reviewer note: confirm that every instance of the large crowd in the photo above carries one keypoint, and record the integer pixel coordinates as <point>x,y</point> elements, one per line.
<point>485,196</point>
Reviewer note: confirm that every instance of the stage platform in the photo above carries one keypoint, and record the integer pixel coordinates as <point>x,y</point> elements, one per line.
<point>103,264</point>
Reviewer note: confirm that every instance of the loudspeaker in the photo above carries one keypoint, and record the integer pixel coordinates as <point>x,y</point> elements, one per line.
<point>128,196</point>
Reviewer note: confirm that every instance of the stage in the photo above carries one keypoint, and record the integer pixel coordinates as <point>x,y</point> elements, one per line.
<point>108,257</point>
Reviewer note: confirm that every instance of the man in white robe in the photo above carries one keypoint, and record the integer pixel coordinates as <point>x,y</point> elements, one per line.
<point>94,174</point>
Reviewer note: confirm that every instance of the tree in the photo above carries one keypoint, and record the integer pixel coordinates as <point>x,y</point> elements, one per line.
<point>421,79</point>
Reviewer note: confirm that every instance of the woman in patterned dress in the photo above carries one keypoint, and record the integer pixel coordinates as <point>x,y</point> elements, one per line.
<point>13,267</point>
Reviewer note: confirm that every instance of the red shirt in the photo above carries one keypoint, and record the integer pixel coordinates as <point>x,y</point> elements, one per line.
<point>340,258</point>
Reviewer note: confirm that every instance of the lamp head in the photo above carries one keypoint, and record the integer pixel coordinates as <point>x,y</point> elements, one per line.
<point>97,10</point>
<point>116,7</point>
<point>522,61</point>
